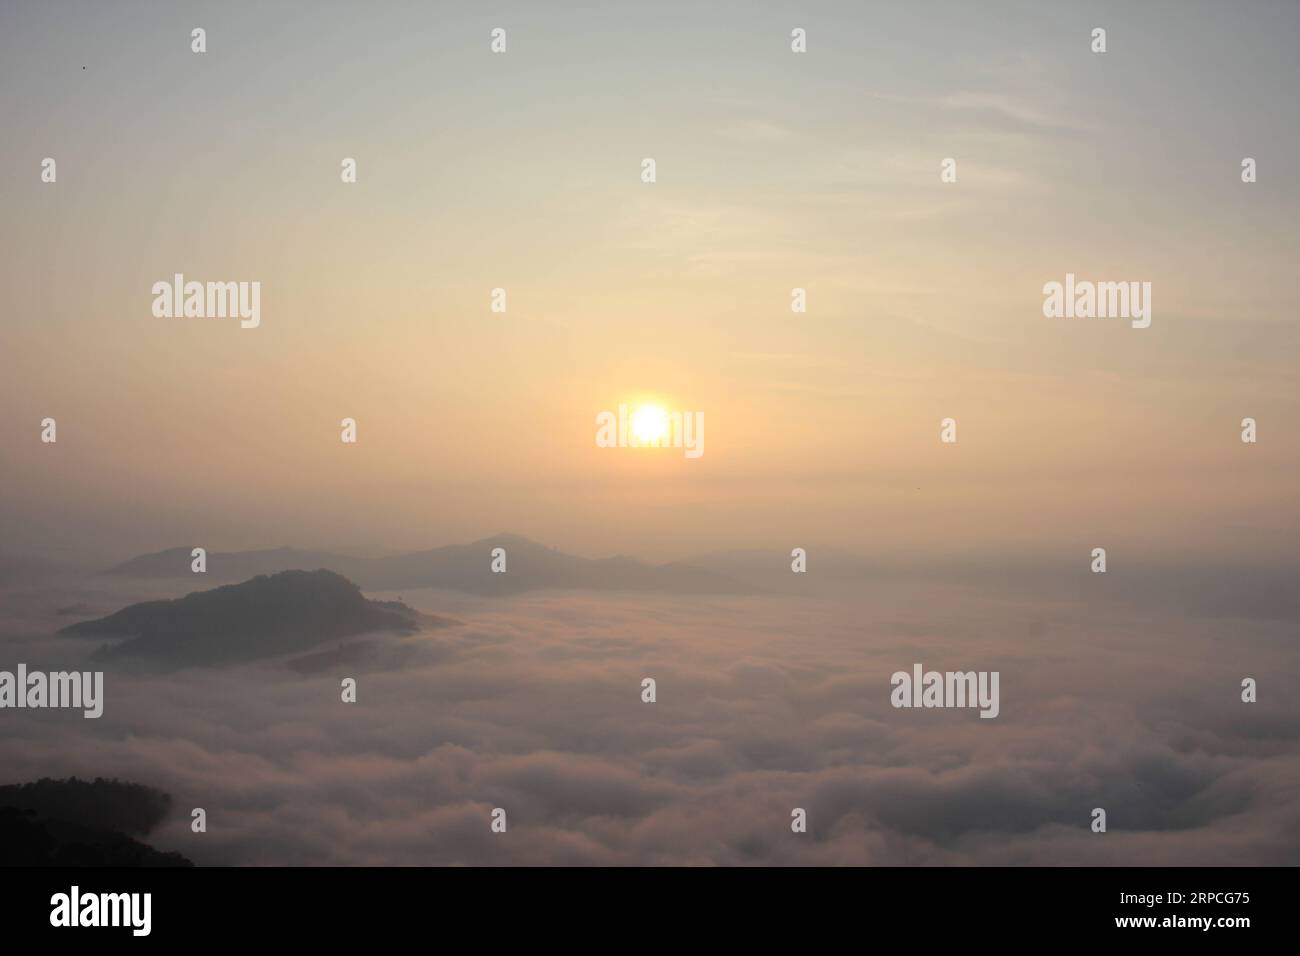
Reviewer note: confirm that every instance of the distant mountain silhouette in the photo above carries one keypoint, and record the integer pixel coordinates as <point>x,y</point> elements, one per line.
<point>263,617</point>
<point>81,823</point>
<point>459,567</point>
<point>175,563</point>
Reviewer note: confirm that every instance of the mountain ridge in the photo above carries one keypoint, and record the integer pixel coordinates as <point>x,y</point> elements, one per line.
<point>265,616</point>
<point>458,567</point>
<point>82,823</point>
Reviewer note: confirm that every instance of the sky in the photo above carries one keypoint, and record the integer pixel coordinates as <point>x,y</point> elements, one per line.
<point>775,170</point>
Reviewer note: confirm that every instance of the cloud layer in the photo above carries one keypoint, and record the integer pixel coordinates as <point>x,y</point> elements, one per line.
<point>764,704</point>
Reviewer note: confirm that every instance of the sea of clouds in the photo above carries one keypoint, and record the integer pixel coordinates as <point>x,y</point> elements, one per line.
<point>765,703</point>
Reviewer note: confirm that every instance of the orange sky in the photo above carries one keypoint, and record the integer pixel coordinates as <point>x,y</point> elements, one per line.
<point>775,171</point>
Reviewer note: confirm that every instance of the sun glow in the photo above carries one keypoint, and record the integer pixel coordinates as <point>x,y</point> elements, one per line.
<point>649,424</point>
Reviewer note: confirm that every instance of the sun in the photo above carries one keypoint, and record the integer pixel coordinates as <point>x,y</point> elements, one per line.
<point>649,424</point>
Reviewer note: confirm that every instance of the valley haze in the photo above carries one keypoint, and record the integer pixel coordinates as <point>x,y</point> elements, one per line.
<point>771,696</point>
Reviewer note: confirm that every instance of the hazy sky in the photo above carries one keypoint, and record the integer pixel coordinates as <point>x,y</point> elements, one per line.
<point>775,170</point>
